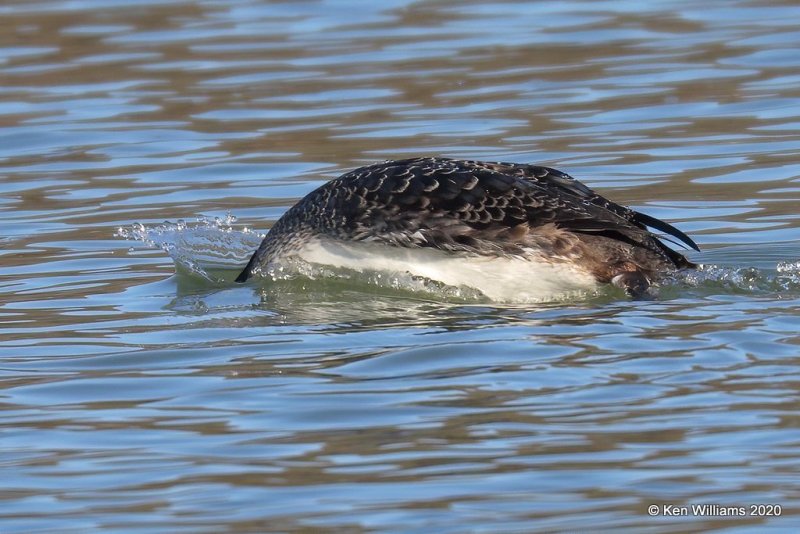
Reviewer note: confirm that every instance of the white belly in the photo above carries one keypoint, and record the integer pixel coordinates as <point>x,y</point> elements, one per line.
<point>515,279</point>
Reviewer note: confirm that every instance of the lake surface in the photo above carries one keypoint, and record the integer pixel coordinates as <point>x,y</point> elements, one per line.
<point>139,400</point>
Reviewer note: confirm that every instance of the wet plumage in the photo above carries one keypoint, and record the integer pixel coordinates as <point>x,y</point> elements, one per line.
<point>477,209</point>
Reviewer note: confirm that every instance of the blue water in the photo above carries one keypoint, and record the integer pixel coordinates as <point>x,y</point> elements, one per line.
<point>146,147</point>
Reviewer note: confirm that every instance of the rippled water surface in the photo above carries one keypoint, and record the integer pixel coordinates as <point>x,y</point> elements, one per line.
<point>136,399</point>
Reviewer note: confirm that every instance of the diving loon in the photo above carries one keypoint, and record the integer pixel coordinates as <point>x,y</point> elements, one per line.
<point>503,228</point>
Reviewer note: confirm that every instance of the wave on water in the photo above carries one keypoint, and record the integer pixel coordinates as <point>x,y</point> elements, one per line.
<point>212,250</point>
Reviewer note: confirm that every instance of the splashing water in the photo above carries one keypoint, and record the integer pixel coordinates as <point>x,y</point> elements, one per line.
<point>783,282</point>
<point>209,249</point>
<point>214,251</point>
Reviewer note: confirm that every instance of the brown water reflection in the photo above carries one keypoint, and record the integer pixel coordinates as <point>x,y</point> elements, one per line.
<point>135,400</point>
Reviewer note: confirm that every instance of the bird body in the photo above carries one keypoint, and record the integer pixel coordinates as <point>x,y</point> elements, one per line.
<point>502,228</point>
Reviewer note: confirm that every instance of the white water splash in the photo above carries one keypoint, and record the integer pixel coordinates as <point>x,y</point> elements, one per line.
<point>785,279</point>
<point>199,249</point>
